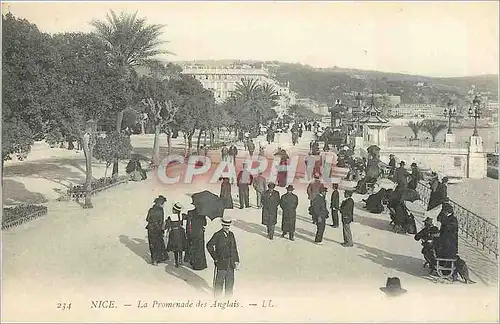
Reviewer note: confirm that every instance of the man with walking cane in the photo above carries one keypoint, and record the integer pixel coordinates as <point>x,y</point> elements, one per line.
<point>222,247</point>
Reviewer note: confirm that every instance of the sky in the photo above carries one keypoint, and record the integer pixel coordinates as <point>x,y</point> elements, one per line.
<point>426,38</point>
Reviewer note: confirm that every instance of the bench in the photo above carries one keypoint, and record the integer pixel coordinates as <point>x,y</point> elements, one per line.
<point>446,270</point>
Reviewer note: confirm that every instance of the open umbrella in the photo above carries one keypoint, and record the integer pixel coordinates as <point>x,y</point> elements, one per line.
<point>407,194</point>
<point>208,204</point>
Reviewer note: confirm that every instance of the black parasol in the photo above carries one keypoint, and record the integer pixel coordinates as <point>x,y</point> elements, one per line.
<point>208,204</point>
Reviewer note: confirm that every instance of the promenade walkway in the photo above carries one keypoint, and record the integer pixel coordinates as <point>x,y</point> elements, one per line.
<point>76,256</point>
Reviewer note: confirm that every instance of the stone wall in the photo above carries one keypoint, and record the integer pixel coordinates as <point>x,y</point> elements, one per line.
<point>452,162</point>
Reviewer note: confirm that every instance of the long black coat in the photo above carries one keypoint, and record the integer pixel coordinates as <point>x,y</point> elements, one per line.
<point>223,250</point>
<point>270,202</point>
<point>319,209</point>
<point>436,197</point>
<point>447,246</point>
<point>225,194</point>
<point>347,210</point>
<point>289,203</point>
<point>195,233</point>
<point>177,241</point>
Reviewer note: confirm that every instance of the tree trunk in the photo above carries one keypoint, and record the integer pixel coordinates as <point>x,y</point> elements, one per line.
<point>190,141</point>
<point>185,144</point>
<point>169,141</point>
<point>155,160</point>
<point>205,138</point>
<point>212,136</point>
<point>106,171</point>
<point>87,151</point>
<point>198,142</point>
<point>143,129</point>
<point>119,119</point>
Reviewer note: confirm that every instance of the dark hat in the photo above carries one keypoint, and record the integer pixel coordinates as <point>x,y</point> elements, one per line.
<point>393,287</point>
<point>348,191</point>
<point>428,220</point>
<point>271,185</point>
<point>177,207</point>
<point>414,164</point>
<point>402,162</point>
<point>160,199</point>
<point>290,187</point>
<point>445,179</point>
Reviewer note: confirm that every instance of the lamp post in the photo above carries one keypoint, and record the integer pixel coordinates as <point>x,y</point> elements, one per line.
<point>475,112</point>
<point>449,112</point>
<point>359,111</point>
<point>334,111</point>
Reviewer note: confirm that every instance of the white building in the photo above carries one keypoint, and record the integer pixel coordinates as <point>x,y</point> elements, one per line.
<point>222,81</point>
<point>414,110</point>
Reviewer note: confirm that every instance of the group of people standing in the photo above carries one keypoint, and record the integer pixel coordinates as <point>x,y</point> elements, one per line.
<point>187,241</point>
<point>190,241</point>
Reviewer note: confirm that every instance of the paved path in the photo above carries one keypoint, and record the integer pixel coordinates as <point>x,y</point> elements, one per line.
<point>75,256</point>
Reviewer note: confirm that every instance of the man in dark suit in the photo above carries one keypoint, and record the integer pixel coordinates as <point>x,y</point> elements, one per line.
<point>347,210</point>
<point>222,247</point>
<point>270,203</point>
<point>334,205</point>
<point>243,181</point>
<point>320,213</point>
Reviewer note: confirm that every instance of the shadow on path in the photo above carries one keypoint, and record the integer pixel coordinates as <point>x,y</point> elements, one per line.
<point>403,263</point>
<point>377,223</point>
<point>138,246</point>
<point>250,227</point>
<point>15,192</point>
<point>189,277</point>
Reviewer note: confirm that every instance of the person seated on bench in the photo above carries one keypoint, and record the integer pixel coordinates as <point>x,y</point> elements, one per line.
<point>428,235</point>
<point>374,202</point>
<point>402,220</point>
<point>134,169</point>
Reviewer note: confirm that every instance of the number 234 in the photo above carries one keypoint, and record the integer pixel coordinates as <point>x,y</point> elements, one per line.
<point>63,306</point>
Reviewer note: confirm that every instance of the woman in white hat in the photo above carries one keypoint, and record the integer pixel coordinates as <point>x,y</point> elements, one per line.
<point>177,241</point>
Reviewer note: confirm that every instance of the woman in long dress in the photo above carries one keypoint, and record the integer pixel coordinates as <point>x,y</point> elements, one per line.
<point>155,229</point>
<point>225,193</point>
<point>195,233</point>
<point>177,242</point>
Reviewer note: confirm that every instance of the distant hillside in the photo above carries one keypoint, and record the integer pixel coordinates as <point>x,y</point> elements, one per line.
<point>328,83</point>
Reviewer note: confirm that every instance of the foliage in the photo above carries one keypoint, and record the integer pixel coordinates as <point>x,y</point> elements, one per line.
<point>20,212</point>
<point>302,112</point>
<point>114,147</point>
<point>16,139</point>
<point>415,127</point>
<point>78,191</point>
<point>54,137</point>
<point>433,127</point>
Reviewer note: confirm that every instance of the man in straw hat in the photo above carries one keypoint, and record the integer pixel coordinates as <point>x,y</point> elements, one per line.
<point>223,249</point>
<point>347,212</point>
<point>320,214</point>
<point>289,203</point>
<point>428,235</point>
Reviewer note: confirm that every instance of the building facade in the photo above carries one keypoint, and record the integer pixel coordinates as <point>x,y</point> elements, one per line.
<point>223,80</point>
<point>415,111</point>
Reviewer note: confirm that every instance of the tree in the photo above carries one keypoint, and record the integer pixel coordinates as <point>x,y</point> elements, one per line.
<point>114,147</point>
<point>130,42</point>
<point>85,92</point>
<point>415,127</point>
<point>27,60</point>
<point>159,101</point>
<point>433,127</point>
<point>16,139</point>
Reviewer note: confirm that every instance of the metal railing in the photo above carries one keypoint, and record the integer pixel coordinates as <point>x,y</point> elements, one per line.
<point>472,227</point>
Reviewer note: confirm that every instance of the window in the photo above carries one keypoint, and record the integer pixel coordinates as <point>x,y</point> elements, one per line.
<point>457,161</point>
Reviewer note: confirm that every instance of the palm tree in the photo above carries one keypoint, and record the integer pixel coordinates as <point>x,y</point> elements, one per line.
<point>247,89</point>
<point>415,127</point>
<point>131,43</point>
<point>433,127</point>
<point>270,94</point>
